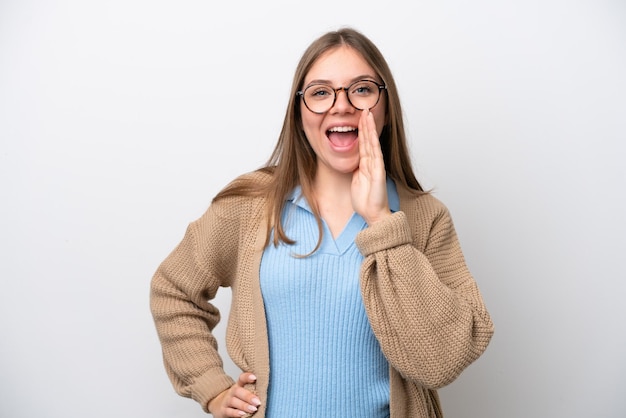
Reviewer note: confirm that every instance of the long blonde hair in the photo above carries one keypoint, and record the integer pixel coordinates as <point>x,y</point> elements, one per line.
<point>293,162</point>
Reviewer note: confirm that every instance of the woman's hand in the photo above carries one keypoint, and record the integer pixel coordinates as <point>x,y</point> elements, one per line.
<point>235,401</point>
<point>369,187</point>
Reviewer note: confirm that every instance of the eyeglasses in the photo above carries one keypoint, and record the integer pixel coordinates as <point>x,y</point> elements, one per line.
<point>362,94</point>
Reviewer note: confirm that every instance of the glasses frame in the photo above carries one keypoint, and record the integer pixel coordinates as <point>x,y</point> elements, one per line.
<point>337,90</point>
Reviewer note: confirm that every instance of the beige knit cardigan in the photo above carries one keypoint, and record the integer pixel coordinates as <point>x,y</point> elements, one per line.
<point>422,302</point>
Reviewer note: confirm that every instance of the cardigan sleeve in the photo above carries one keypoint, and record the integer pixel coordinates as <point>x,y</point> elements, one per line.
<point>180,291</point>
<point>423,304</point>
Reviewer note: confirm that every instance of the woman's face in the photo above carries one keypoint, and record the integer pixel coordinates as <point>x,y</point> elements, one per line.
<point>333,135</point>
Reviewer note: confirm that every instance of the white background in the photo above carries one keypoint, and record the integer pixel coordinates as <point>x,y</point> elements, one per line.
<point>119,120</point>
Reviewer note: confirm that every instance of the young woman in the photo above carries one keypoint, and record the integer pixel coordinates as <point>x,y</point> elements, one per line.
<point>350,293</point>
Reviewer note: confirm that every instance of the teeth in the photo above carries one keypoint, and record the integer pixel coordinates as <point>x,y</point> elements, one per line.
<point>342,129</point>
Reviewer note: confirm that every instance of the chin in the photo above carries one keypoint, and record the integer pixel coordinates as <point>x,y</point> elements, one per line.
<point>345,168</point>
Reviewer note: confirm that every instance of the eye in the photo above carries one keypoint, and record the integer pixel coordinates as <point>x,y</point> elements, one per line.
<point>319,92</point>
<point>362,88</point>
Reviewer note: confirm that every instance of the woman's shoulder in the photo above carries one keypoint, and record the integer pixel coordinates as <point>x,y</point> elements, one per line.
<point>426,215</point>
<point>242,194</point>
<point>259,177</point>
<point>250,183</point>
<point>421,204</point>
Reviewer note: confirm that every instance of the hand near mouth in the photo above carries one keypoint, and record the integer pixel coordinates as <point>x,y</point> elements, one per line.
<point>369,188</point>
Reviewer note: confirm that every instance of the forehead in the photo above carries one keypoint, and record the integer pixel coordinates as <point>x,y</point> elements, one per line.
<point>339,65</point>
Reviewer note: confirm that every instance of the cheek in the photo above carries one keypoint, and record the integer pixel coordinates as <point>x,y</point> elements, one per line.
<point>311,124</point>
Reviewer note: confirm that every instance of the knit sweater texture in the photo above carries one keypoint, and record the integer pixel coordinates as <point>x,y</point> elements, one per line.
<point>423,305</point>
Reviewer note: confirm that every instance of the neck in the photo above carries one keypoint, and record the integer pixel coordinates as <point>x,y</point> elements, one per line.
<point>332,193</point>
<point>333,188</point>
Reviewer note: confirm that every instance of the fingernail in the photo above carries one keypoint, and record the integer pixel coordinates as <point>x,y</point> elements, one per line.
<point>256,401</point>
<point>252,408</point>
<point>252,377</point>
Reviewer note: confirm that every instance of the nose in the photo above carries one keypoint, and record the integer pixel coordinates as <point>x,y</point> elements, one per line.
<point>342,104</point>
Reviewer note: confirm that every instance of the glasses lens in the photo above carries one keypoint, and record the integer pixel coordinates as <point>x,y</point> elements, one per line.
<point>319,98</point>
<point>363,94</point>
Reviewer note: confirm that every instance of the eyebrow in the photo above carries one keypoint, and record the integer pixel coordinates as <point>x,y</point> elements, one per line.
<point>357,78</point>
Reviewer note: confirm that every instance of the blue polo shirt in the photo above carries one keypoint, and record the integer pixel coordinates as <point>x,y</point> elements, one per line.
<point>324,358</point>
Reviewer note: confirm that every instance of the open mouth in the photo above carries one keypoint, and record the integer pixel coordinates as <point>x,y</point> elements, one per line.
<point>342,136</point>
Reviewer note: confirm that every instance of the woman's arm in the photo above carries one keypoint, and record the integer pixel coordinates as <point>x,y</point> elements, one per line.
<point>424,306</point>
<point>180,292</point>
